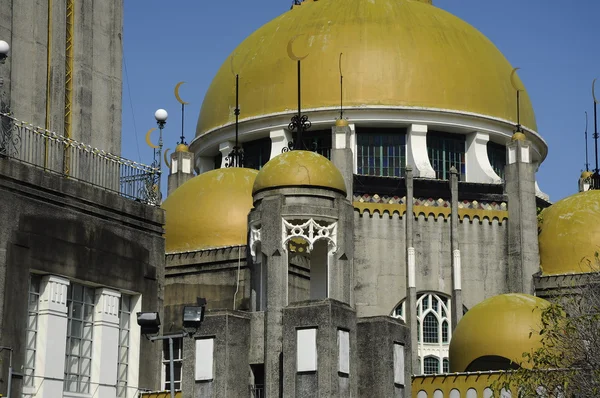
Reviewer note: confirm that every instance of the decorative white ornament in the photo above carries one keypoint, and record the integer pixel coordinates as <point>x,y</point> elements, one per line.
<point>310,231</point>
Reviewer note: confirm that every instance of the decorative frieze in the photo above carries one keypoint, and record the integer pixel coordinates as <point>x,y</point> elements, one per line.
<point>309,232</point>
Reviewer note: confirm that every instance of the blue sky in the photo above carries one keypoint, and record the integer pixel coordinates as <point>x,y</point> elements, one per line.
<point>554,42</point>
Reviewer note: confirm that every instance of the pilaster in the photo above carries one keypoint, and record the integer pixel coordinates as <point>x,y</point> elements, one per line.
<point>523,250</point>
<point>51,338</point>
<point>411,286</point>
<point>342,155</point>
<point>279,140</point>
<point>105,349</point>
<point>457,304</point>
<point>181,170</point>
<point>478,164</point>
<point>416,151</point>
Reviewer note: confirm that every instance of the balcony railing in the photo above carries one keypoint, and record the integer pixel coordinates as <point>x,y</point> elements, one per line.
<point>257,391</point>
<point>57,154</point>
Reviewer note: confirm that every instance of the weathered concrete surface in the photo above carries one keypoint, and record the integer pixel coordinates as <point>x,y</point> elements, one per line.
<point>380,263</point>
<point>29,90</point>
<point>53,225</point>
<point>376,338</point>
<point>328,316</point>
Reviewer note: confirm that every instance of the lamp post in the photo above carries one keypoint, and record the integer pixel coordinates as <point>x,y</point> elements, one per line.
<point>161,116</point>
<point>149,323</point>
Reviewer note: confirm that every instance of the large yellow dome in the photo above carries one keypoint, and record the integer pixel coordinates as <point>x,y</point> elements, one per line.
<point>498,327</point>
<point>396,53</point>
<point>299,168</point>
<point>570,235</point>
<point>210,210</point>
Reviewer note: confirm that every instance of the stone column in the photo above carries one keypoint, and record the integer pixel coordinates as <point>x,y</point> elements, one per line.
<point>455,249</point>
<point>52,337</point>
<point>105,349</point>
<point>342,155</point>
<point>275,260</point>
<point>523,250</point>
<point>411,286</point>
<point>180,169</point>
<point>416,151</point>
<point>341,262</point>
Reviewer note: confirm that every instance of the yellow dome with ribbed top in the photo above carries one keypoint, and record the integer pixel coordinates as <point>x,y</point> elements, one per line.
<point>569,236</point>
<point>497,331</point>
<point>209,211</point>
<point>396,53</point>
<point>299,169</point>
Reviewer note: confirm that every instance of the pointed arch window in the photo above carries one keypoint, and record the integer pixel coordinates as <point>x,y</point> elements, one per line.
<point>434,333</point>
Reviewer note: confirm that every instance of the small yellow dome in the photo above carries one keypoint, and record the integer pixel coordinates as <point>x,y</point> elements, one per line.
<point>395,54</point>
<point>497,327</point>
<point>586,174</point>
<point>518,136</point>
<point>341,122</point>
<point>570,235</point>
<point>210,210</point>
<point>299,168</point>
<point>182,148</point>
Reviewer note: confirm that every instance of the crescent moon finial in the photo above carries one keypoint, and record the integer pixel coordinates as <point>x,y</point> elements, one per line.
<point>290,49</point>
<point>166,157</point>
<point>182,102</point>
<point>148,141</point>
<point>594,90</point>
<point>512,79</point>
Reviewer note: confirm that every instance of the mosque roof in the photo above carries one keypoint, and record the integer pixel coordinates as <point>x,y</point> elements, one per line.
<point>210,210</point>
<point>396,54</point>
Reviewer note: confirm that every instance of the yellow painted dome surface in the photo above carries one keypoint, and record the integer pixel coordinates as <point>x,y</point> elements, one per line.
<point>396,53</point>
<point>570,235</point>
<point>299,168</point>
<point>498,326</point>
<point>210,210</point>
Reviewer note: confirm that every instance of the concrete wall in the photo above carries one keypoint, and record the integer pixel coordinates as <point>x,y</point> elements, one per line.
<point>212,274</point>
<point>380,265</point>
<point>53,225</point>
<point>29,87</point>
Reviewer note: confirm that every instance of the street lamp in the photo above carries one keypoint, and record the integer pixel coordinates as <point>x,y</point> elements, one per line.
<point>161,116</point>
<point>4,47</point>
<point>193,316</point>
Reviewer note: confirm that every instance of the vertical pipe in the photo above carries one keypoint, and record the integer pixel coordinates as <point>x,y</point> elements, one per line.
<point>171,370</point>
<point>411,288</point>
<point>10,373</point>
<point>457,305</point>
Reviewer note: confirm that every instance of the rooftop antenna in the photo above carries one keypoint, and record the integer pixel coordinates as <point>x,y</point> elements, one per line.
<point>341,89</point>
<point>183,104</point>
<point>512,81</point>
<point>587,163</point>
<point>299,122</point>
<point>236,156</point>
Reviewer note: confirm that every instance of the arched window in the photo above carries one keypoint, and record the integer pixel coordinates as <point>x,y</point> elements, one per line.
<point>434,332</point>
<point>432,365</point>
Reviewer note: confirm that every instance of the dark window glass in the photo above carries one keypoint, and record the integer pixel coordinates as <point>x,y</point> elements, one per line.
<point>431,366</point>
<point>381,152</point>
<point>446,150</point>
<point>318,141</point>
<point>257,153</point>
<point>497,156</point>
<point>218,160</point>
<point>430,328</point>
<point>446,365</point>
<point>444,332</point>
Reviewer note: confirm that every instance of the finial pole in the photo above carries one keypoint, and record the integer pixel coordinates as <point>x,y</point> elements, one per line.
<point>596,136</point>
<point>587,163</point>
<point>341,89</point>
<point>236,156</point>
<point>518,110</point>
<point>299,123</point>
<point>299,130</point>
<point>182,124</point>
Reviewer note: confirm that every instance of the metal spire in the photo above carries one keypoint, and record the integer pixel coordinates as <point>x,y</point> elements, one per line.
<point>236,156</point>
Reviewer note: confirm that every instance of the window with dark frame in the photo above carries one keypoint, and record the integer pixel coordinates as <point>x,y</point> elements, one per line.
<point>177,363</point>
<point>381,152</point>
<point>257,153</point>
<point>497,156</point>
<point>446,150</point>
